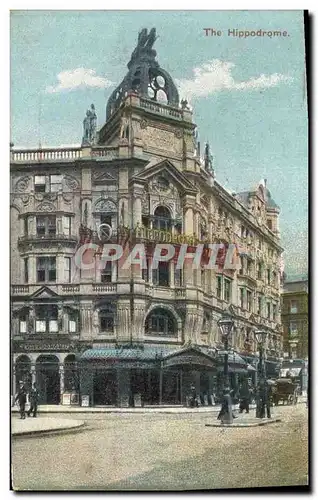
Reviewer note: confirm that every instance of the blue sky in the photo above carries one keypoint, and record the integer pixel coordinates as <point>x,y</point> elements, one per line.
<point>247,94</point>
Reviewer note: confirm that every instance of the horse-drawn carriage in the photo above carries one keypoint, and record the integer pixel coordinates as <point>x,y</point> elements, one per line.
<point>284,390</point>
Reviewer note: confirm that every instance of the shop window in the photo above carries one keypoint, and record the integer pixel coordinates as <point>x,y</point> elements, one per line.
<point>160,322</point>
<point>39,184</point>
<point>46,269</point>
<point>46,319</point>
<point>46,225</point>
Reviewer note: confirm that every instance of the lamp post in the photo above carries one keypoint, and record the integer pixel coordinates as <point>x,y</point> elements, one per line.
<point>226,324</point>
<point>260,336</point>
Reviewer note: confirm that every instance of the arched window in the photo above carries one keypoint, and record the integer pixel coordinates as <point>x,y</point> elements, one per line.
<point>162,219</point>
<point>160,322</point>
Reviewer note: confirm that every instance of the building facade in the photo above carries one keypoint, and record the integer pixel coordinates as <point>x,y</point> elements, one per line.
<point>295,318</point>
<point>109,334</point>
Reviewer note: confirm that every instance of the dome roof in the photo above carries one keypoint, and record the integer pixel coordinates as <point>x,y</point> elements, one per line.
<point>145,76</point>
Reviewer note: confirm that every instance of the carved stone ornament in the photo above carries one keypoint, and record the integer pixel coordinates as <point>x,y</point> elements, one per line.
<point>46,206</point>
<point>143,124</point>
<point>38,197</point>
<point>178,133</point>
<point>71,183</point>
<point>22,184</point>
<point>105,206</point>
<point>67,197</point>
<point>25,199</point>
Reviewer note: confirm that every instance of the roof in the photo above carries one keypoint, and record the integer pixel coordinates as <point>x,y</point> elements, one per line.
<point>147,353</point>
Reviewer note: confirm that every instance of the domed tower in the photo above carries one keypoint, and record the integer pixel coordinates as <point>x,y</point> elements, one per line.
<point>145,76</point>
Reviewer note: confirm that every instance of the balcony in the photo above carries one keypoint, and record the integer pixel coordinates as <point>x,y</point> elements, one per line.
<point>38,239</point>
<point>108,153</point>
<point>20,290</point>
<point>104,288</point>
<point>45,155</point>
<point>161,109</point>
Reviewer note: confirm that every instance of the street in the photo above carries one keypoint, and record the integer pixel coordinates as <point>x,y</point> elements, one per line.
<point>164,452</point>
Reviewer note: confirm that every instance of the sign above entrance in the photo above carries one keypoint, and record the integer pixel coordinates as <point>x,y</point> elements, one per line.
<point>48,346</point>
<point>188,359</point>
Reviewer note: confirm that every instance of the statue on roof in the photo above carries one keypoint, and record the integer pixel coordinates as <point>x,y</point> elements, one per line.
<point>208,158</point>
<point>145,43</point>
<point>89,126</point>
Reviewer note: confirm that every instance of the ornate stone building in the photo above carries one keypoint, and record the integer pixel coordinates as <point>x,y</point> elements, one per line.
<point>295,318</point>
<point>116,334</point>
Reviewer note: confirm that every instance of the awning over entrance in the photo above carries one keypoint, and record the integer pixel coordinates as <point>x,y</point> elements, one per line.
<point>190,356</point>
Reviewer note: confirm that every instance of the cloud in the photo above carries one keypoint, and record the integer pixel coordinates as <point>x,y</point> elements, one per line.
<point>78,78</point>
<point>216,75</point>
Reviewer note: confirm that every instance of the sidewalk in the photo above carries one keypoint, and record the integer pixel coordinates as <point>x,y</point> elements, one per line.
<point>113,409</point>
<point>42,425</point>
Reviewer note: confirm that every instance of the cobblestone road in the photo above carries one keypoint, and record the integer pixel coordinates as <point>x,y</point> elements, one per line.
<point>164,452</point>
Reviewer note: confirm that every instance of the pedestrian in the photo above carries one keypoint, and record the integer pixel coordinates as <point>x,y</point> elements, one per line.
<point>21,397</point>
<point>268,396</point>
<point>244,398</point>
<point>226,413</point>
<point>34,397</point>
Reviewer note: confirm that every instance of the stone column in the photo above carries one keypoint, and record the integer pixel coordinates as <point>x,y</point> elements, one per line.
<point>61,370</point>
<point>171,273</point>
<point>124,325</point>
<point>33,374</point>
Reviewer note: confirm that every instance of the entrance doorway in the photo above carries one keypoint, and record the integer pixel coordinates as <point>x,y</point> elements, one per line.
<point>48,380</point>
<point>23,372</point>
<point>105,387</point>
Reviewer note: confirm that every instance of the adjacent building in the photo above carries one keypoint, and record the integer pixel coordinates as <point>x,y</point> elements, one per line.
<point>123,336</point>
<point>295,318</point>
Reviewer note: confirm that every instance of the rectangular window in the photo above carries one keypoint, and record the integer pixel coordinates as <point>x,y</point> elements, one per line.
<point>203,278</point>
<point>67,269</point>
<point>46,225</point>
<point>106,273</point>
<point>241,270</point>
<point>274,312</point>
<point>219,287</point>
<point>259,306</point>
<point>268,276</point>
<point>227,290</point>
<point>72,326</point>
<point>260,244</point>
<point>242,298</point>
<point>46,269</point>
<point>55,183</point>
<point>46,319</point>
<point>293,329</point>
<point>269,224</point>
<point>23,323</point>
<point>249,298</point>
<point>259,271</point>
<point>268,310</point>
<point>249,267</point>
<point>106,322</point>
<point>26,269</point>
<point>106,219</point>
<point>178,277</point>
<point>39,184</point>
<point>161,276</point>
<point>293,307</point>
<point>66,225</point>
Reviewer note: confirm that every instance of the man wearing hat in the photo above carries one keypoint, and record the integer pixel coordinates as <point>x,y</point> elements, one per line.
<point>21,397</point>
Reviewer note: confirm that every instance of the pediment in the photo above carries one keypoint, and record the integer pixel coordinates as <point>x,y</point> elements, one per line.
<point>104,178</point>
<point>170,171</point>
<point>44,293</point>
